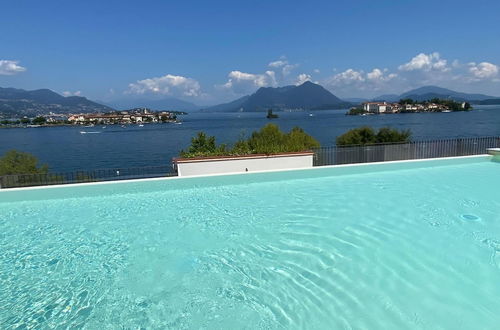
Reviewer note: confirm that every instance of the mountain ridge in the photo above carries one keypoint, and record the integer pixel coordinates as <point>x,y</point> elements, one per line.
<point>429,92</point>
<point>307,96</point>
<point>20,102</point>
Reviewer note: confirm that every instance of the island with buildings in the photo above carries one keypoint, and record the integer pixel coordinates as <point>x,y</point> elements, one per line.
<point>132,116</point>
<point>409,106</point>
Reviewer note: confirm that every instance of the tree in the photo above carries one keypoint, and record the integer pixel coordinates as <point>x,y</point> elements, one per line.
<point>38,121</point>
<point>363,135</point>
<point>268,140</point>
<point>16,162</point>
<point>367,135</point>
<point>406,101</point>
<point>388,135</point>
<point>203,145</point>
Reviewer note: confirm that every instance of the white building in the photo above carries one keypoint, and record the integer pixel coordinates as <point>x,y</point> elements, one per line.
<point>377,107</point>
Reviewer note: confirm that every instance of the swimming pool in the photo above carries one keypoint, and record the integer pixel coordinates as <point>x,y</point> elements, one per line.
<point>386,246</point>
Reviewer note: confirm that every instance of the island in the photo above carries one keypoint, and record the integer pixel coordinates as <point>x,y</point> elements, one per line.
<point>132,116</point>
<point>271,115</point>
<point>409,106</point>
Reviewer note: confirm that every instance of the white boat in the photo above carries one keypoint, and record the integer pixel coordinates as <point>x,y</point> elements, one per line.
<point>446,111</point>
<point>141,125</point>
<point>91,132</point>
<point>91,125</point>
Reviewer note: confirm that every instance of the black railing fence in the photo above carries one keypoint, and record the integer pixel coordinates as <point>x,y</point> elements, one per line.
<point>322,156</point>
<point>28,180</point>
<point>404,151</point>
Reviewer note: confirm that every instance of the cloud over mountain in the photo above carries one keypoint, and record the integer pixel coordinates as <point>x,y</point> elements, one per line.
<point>8,67</point>
<point>242,82</point>
<point>425,62</point>
<point>483,70</point>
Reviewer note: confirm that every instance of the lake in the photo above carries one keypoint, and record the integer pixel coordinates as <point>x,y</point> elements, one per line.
<point>64,148</point>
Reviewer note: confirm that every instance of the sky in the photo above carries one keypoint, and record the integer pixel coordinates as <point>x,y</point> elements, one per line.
<point>208,52</point>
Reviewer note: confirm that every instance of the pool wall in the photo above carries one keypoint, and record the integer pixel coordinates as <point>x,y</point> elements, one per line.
<point>125,187</point>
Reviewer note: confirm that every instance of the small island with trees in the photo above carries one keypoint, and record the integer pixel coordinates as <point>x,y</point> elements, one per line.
<point>271,115</point>
<point>409,106</point>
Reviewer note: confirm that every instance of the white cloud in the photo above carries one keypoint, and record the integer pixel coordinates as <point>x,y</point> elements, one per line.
<point>302,78</point>
<point>425,62</point>
<point>166,85</point>
<point>9,68</point>
<point>379,75</point>
<point>347,77</point>
<point>286,67</point>
<point>68,93</point>
<point>278,63</point>
<point>242,82</point>
<point>316,71</point>
<point>483,70</point>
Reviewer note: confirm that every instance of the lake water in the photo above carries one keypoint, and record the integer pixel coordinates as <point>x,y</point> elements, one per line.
<point>66,149</point>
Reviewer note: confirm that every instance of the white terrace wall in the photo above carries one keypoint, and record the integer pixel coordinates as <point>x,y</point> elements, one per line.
<point>242,164</point>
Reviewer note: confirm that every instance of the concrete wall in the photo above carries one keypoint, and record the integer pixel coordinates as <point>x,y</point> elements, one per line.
<point>253,163</point>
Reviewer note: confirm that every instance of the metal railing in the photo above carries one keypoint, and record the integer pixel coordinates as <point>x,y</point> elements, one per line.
<point>337,155</point>
<point>322,156</point>
<point>29,180</point>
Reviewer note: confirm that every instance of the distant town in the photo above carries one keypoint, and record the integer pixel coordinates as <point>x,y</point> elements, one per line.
<point>133,116</point>
<point>409,106</point>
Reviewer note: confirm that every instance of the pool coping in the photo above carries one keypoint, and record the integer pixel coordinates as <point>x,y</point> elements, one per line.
<point>4,190</point>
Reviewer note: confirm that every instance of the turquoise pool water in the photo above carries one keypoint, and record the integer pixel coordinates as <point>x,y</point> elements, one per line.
<point>393,246</point>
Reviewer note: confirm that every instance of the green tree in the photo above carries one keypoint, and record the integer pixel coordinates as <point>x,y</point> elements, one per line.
<point>298,140</point>
<point>268,140</point>
<point>389,135</point>
<point>203,145</point>
<point>16,162</point>
<point>367,135</point>
<point>25,121</point>
<point>363,135</point>
<point>406,101</point>
<point>39,121</point>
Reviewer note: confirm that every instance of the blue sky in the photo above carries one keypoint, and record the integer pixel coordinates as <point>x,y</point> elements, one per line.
<point>212,51</point>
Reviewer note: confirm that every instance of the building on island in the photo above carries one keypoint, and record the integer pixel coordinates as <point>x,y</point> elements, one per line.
<point>123,117</point>
<point>379,107</point>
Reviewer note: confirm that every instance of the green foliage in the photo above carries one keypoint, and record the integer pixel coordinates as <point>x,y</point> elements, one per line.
<point>203,145</point>
<point>406,101</point>
<point>38,121</point>
<point>367,135</point>
<point>452,105</point>
<point>15,162</point>
<point>356,111</point>
<point>268,140</point>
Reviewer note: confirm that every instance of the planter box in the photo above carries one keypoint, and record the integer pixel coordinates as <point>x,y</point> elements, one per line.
<point>242,164</point>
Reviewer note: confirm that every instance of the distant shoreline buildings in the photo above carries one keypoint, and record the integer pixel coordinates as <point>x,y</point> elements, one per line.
<point>134,116</point>
<point>409,106</point>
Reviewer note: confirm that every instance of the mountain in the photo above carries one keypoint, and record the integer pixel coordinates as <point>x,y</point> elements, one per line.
<point>356,100</point>
<point>307,96</point>
<point>387,98</point>
<point>495,101</point>
<point>429,92</point>
<point>19,102</point>
<point>155,104</point>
